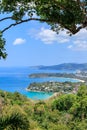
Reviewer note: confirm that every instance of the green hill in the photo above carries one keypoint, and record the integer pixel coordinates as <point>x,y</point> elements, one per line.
<point>61,112</point>
<point>66,66</point>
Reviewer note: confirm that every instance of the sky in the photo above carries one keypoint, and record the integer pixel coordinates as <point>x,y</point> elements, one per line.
<point>33,43</point>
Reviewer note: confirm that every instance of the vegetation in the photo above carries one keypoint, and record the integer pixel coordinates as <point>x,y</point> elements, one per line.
<point>63,112</point>
<point>59,14</point>
<point>81,75</point>
<point>65,87</point>
<point>42,75</point>
<point>65,66</point>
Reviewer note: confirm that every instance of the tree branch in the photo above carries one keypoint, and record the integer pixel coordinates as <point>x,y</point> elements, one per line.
<point>73,30</point>
<point>78,1</point>
<point>79,28</point>
<point>5,18</point>
<point>23,21</point>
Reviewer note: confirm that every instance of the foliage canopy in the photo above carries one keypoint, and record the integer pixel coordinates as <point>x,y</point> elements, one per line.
<point>59,14</point>
<point>63,112</point>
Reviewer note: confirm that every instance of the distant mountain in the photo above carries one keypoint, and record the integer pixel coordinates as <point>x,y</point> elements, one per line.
<point>37,67</point>
<point>66,66</point>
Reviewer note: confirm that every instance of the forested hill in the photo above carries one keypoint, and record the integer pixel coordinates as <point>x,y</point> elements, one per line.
<point>60,112</point>
<point>66,66</point>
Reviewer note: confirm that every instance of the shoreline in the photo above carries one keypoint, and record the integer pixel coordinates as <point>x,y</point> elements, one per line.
<point>37,91</point>
<point>80,80</point>
<point>53,92</point>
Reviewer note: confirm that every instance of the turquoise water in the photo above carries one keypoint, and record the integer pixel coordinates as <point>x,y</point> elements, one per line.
<point>17,79</point>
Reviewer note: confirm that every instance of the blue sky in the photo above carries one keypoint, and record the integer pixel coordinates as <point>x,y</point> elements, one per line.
<point>33,43</point>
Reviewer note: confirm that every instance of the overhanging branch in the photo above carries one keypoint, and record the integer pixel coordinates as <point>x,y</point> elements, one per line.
<point>73,30</point>
<point>23,21</point>
<point>6,18</point>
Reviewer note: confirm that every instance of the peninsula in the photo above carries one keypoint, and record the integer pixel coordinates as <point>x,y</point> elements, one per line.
<point>81,75</point>
<point>64,87</point>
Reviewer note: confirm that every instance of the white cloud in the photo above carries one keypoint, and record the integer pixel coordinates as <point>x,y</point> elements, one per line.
<point>79,45</point>
<point>70,46</point>
<point>79,41</point>
<point>81,35</point>
<point>48,36</point>
<point>63,40</point>
<point>19,41</point>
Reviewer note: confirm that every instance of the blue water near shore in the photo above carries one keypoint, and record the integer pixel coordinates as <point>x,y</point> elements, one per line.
<point>17,79</point>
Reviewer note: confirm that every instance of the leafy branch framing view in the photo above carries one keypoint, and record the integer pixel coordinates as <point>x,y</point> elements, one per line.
<point>59,14</point>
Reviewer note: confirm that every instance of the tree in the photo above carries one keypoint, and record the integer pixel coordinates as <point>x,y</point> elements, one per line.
<point>79,108</point>
<point>14,118</point>
<point>64,102</point>
<point>59,14</point>
<point>2,49</point>
<point>82,92</point>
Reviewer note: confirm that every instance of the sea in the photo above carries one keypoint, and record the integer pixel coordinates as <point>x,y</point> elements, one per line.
<point>16,79</point>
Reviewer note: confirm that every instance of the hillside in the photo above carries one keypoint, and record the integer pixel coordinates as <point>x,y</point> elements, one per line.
<point>62,112</point>
<point>66,66</point>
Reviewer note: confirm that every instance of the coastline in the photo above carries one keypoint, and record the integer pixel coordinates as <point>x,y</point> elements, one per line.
<point>37,91</point>
<point>80,80</point>
<point>75,79</point>
<point>53,94</point>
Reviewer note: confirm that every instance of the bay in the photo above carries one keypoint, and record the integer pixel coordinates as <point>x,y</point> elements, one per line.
<point>14,79</point>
